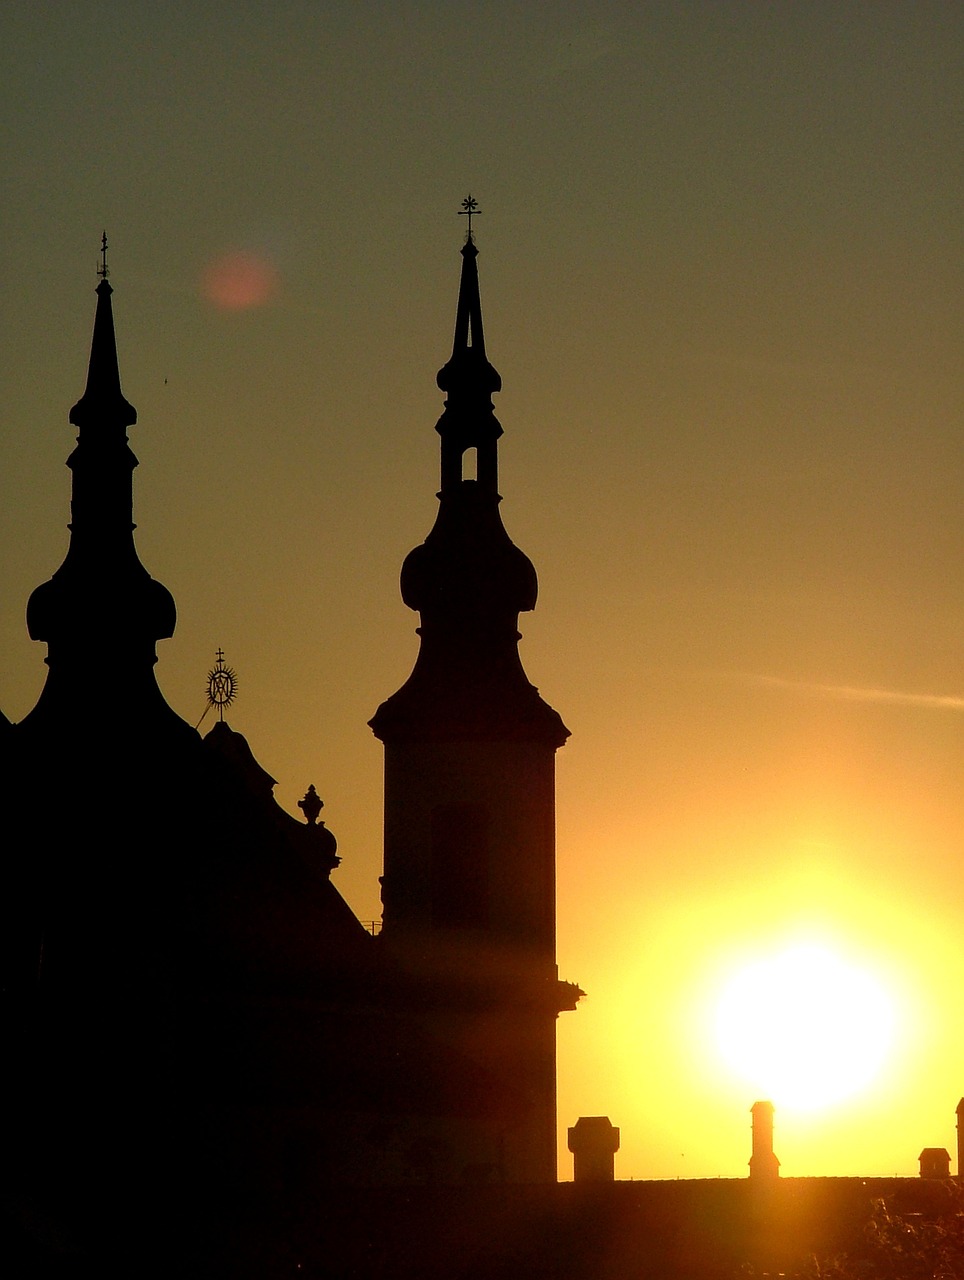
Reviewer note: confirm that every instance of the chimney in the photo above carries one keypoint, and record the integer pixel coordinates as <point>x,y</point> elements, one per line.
<point>764,1166</point>
<point>593,1141</point>
<point>935,1162</point>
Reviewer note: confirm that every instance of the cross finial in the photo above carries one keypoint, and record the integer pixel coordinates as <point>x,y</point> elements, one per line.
<point>470,206</point>
<point>102,269</point>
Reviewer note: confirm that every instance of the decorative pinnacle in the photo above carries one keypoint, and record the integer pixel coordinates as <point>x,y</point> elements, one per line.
<point>470,206</point>
<point>222,685</point>
<point>102,269</point>
<point>311,806</point>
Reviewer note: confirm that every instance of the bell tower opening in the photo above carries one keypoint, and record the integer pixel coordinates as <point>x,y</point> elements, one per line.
<point>470,464</point>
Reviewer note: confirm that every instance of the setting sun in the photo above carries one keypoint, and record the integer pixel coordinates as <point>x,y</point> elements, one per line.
<point>805,1026</point>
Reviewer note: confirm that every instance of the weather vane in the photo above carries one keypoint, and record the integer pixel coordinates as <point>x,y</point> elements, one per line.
<point>102,269</point>
<point>470,206</point>
<point>222,686</point>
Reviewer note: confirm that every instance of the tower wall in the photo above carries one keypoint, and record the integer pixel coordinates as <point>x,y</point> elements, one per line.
<point>470,849</point>
<point>469,891</point>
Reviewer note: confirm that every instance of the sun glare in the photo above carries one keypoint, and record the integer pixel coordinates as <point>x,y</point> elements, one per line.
<point>805,1027</point>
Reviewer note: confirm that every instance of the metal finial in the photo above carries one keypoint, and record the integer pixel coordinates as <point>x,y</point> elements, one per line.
<point>470,206</point>
<point>102,269</point>
<point>222,685</point>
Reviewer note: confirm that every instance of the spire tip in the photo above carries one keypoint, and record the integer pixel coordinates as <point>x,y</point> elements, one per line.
<point>470,207</point>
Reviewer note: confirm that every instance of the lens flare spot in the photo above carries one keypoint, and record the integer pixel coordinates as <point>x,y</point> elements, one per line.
<point>238,280</point>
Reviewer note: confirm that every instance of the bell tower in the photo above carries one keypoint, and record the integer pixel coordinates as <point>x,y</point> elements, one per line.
<point>468,889</point>
<point>101,614</point>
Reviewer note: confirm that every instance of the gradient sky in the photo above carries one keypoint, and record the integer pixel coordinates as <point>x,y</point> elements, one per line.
<point>721,261</point>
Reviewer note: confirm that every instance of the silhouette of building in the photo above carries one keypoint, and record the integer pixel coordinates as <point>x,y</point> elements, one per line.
<point>469,883</point>
<point>212,1067</point>
<point>197,1021</point>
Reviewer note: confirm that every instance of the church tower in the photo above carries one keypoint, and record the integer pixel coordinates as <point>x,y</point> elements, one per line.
<point>102,780</point>
<point>101,614</point>
<point>469,876</point>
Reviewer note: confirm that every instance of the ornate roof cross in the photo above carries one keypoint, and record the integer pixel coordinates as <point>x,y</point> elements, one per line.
<point>470,206</point>
<point>102,269</point>
<point>222,686</point>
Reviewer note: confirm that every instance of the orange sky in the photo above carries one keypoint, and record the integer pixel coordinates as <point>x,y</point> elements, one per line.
<point>721,273</point>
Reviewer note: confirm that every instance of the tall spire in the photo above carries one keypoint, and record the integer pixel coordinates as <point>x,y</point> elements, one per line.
<point>468,580</point>
<point>103,405</point>
<point>469,382</point>
<point>101,613</point>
